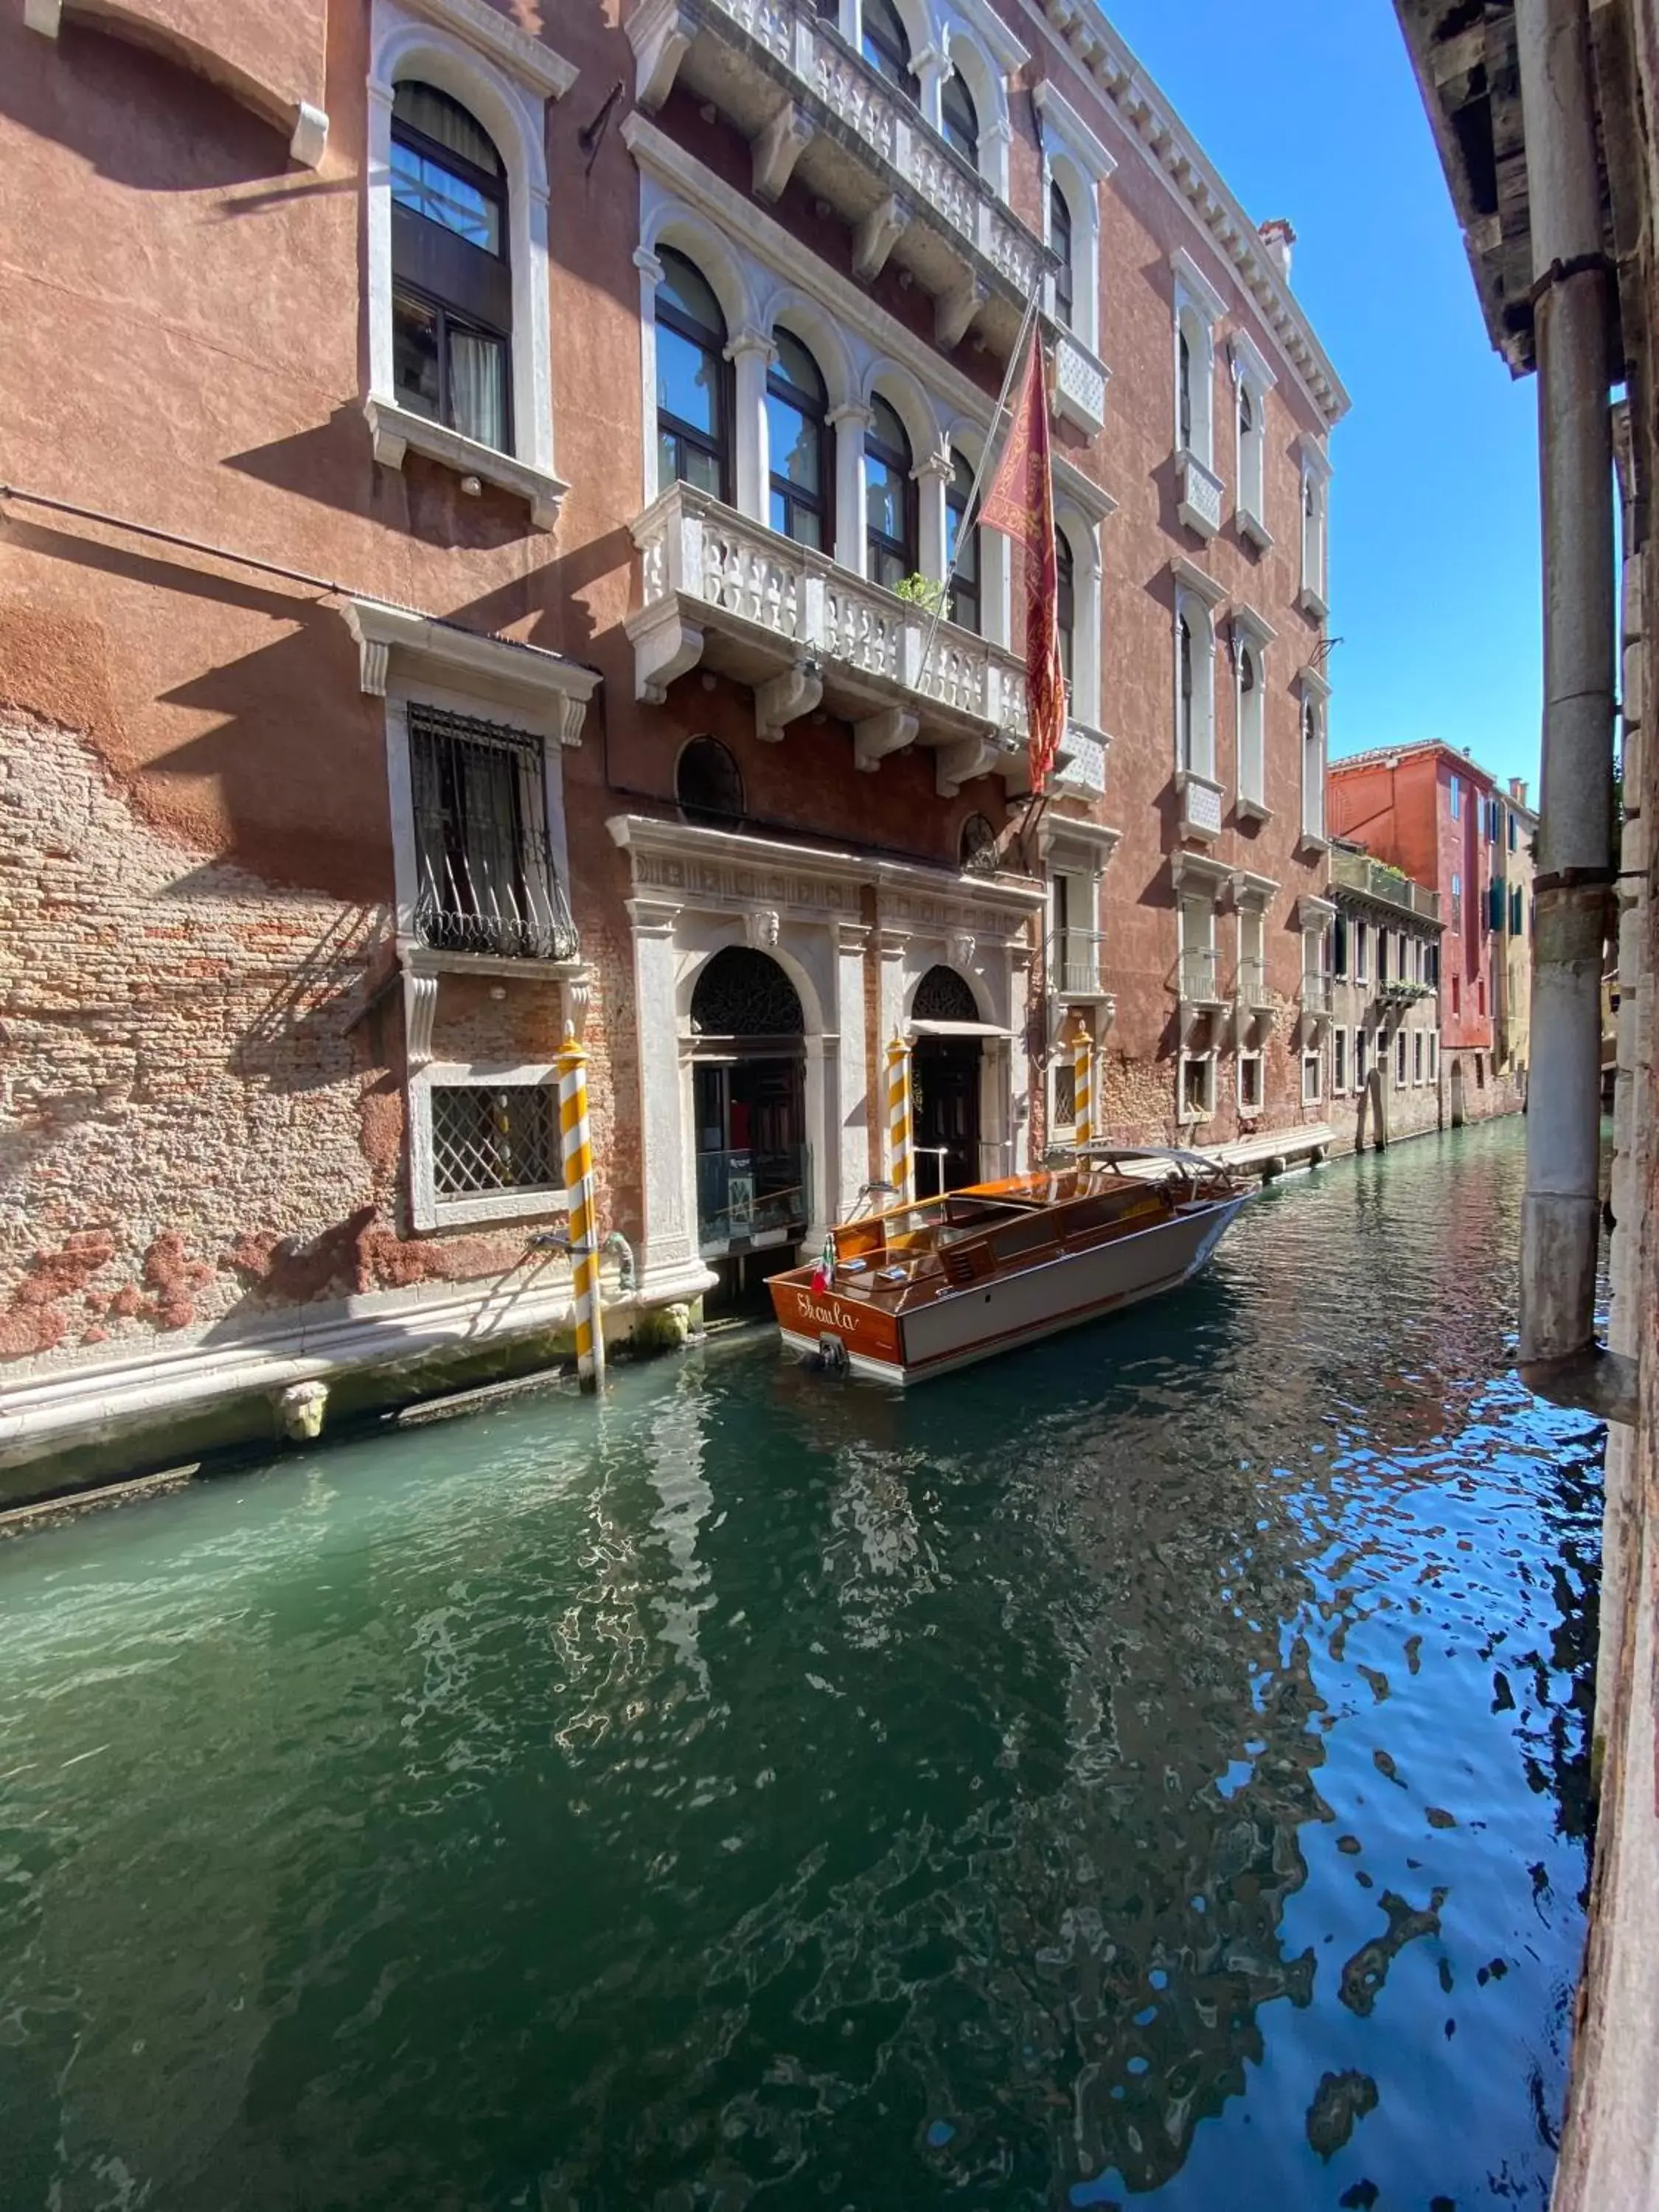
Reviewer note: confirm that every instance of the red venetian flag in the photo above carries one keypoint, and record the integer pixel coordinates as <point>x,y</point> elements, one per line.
<point>1021,504</point>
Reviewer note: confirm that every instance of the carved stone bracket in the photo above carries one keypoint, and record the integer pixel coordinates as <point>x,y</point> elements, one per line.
<point>955,765</point>
<point>660,33</point>
<point>784,698</point>
<point>664,646</point>
<point>955,310</point>
<point>575,993</point>
<point>877,234</point>
<point>877,735</point>
<point>420,1011</point>
<point>778,147</point>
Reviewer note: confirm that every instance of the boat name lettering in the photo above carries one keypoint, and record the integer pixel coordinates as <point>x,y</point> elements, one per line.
<point>835,1315</point>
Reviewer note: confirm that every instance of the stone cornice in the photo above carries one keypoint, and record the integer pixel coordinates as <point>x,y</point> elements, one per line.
<point>1168,148</point>
<point>492,34</point>
<point>528,676</point>
<point>656,836</point>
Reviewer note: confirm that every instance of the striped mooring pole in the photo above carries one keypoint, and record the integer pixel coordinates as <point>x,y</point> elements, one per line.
<point>576,1148</point>
<point>1083,1092</point>
<point>901,1161</point>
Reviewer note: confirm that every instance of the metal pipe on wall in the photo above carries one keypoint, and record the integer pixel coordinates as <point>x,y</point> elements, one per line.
<point>1560,1212</point>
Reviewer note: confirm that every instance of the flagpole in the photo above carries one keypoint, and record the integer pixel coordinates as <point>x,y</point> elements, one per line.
<point>1015,356</point>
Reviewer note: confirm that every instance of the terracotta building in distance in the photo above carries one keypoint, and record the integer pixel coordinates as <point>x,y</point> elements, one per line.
<point>1430,811</point>
<point>514,612</point>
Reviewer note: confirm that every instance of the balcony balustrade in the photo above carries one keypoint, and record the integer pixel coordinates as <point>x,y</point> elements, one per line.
<point>1080,378</point>
<point>1250,988</point>
<point>1200,805</point>
<point>723,593</point>
<point>1316,996</point>
<point>1083,751</point>
<point>812,107</point>
<point>1076,961</point>
<point>1199,490</point>
<point>1198,977</point>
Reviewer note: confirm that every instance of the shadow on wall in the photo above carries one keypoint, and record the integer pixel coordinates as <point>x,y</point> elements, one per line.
<point>56,90</point>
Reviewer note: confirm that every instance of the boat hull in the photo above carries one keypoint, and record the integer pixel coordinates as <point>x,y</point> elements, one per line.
<point>1019,1308</point>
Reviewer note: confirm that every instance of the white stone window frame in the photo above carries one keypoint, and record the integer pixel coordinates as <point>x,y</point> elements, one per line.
<point>1314,529</point>
<point>1197,598</point>
<point>1433,1036</point>
<point>428,1209</point>
<point>1313,745</point>
<point>1083,539</point>
<point>1250,632</point>
<point>1419,1056</point>
<point>1074,159</point>
<point>469,50</point>
<point>1253,1057</point>
<point>1251,373</point>
<point>1401,1062</point>
<point>984,53</point>
<point>1313,1075</point>
<point>1190,1116</point>
<point>1342,1062</point>
<point>1197,311</point>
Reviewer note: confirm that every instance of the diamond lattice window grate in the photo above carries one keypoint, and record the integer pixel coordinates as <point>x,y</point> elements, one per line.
<point>494,1139</point>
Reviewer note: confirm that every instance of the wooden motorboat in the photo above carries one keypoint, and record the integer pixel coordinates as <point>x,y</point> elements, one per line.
<point>919,1289</point>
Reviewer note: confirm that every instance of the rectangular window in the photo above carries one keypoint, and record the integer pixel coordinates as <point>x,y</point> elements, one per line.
<point>1312,1073</point>
<point>1517,913</point>
<point>1252,961</point>
<point>1197,1086</point>
<point>1361,1054</point>
<point>1457,994</point>
<point>1514,832</point>
<point>1434,1055</point>
<point>1456,900</point>
<point>1400,1061</point>
<point>1480,995</point>
<point>1361,952</point>
<point>1198,976</point>
<point>1065,1093</point>
<point>486,1138</point>
<point>1339,1060</point>
<point>1249,1083</point>
<point>1382,959</point>
<point>485,880</point>
<point>1456,791</point>
<point>1339,945</point>
<point>1417,1056</point>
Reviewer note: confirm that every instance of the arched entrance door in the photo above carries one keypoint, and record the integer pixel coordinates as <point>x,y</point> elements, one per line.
<point>944,1076</point>
<point>749,1107</point>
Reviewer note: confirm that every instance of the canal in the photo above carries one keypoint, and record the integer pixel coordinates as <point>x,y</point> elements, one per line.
<point>1151,1767</point>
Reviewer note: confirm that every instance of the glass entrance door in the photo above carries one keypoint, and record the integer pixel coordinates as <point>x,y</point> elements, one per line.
<point>751,1153</point>
<point>944,1078</point>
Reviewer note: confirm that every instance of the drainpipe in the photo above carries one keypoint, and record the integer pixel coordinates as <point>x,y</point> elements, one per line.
<point>1560,1215</point>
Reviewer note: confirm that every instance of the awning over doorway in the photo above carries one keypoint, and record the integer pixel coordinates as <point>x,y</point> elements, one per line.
<point>925,1029</point>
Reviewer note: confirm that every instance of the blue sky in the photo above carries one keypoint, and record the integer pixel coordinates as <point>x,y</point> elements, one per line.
<point>1308,109</point>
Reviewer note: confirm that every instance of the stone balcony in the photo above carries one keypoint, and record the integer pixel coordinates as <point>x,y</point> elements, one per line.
<point>1199,798</point>
<point>1076,960</point>
<point>1080,381</point>
<point>1199,978</point>
<point>1082,750</point>
<point>812,108</point>
<point>721,592</point>
<point>1199,494</point>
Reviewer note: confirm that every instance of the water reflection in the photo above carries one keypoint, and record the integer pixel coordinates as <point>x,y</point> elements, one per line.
<point>1151,1765</point>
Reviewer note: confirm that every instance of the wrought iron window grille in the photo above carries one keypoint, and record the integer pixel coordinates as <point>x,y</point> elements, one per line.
<point>745,994</point>
<point>485,877</point>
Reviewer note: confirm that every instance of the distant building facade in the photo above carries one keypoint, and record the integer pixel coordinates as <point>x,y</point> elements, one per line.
<point>1385,1076</point>
<point>1517,832</point>
<point>1433,812</point>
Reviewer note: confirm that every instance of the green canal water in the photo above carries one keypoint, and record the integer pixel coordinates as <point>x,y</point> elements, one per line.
<point>1149,1767</point>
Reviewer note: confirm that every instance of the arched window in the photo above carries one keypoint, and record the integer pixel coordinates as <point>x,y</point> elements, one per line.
<point>978,848</point>
<point>1184,643</point>
<point>1184,389</point>
<point>694,411</point>
<point>1066,604</point>
<point>797,403</point>
<point>1060,238</point>
<point>885,45</point>
<point>1251,763</point>
<point>942,995</point>
<point>451,286</point>
<point>959,119</point>
<point>889,498</point>
<point>1251,453</point>
<point>708,784</point>
<point>961,545</point>
<point>745,994</point>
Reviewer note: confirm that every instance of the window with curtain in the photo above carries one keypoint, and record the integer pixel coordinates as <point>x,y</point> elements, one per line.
<point>693,411</point>
<point>889,498</point>
<point>1065,605</point>
<point>961,546</point>
<point>797,403</point>
<point>959,119</point>
<point>885,45</point>
<point>1060,238</point>
<point>451,283</point>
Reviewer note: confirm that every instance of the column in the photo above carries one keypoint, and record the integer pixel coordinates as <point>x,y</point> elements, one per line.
<point>930,477</point>
<point>669,1244</point>
<point>849,423</point>
<point>931,68</point>
<point>750,355</point>
<point>650,271</point>
<point>823,1197</point>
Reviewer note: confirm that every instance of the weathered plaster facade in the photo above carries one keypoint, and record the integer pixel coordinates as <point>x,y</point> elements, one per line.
<point>1385,1074</point>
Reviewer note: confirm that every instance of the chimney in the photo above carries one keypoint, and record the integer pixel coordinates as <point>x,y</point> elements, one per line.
<point>1518,789</point>
<point>1279,238</point>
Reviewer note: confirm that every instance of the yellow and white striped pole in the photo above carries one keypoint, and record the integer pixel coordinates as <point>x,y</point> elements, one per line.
<point>901,1160</point>
<point>1083,1088</point>
<point>576,1148</point>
